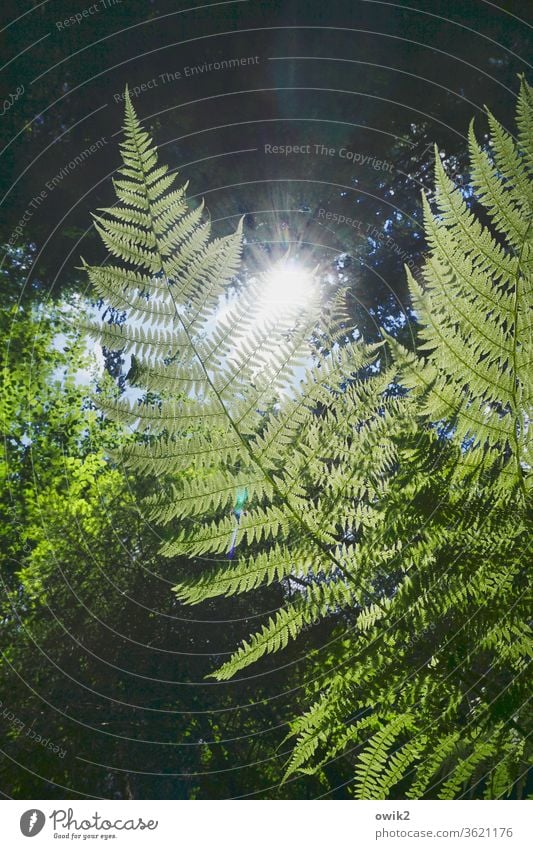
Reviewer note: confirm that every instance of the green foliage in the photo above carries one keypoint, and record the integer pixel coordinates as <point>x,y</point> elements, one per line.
<point>95,651</point>
<point>474,306</point>
<point>391,493</point>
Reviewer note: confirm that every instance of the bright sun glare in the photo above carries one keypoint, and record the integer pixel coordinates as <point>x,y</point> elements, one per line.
<point>286,287</point>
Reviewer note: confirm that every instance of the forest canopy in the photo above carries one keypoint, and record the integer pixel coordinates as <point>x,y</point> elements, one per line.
<point>265,410</point>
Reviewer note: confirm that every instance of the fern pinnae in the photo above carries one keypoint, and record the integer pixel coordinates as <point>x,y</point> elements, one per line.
<point>340,495</point>
<point>505,215</point>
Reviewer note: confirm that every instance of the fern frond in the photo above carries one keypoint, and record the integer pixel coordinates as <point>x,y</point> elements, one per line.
<point>393,495</point>
<point>475,306</point>
<point>371,776</point>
